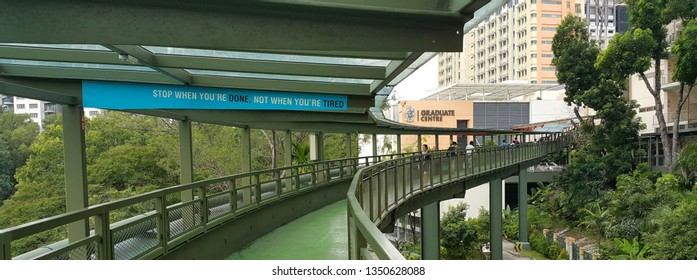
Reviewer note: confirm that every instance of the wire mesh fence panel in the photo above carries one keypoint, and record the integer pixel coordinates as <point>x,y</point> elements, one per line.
<point>183,218</point>
<point>87,251</point>
<point>135,238</point>
<point>218,205</point>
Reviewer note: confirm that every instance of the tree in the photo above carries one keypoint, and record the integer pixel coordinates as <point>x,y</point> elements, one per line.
<point>574,59</point>
<point>685,72</point>
<point>456,236</point>
<point>129,166</point>
<point>609,140</point>
<point>596,219</point>
<point>17,132</point>
<point>643,47</point>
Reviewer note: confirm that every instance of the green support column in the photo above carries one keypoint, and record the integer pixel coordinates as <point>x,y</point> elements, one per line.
<point>247,162</point>
<point>523,208</point>
<point>317,146</point>
<point>399,144</point>
<point>419,143</point>
<point>348,145</point>
<point>75,168</point>
<point>374,140</point>
<point>186,163</point>
<point>288,158</point>
<point>430,225</point>
<point>496,212</point>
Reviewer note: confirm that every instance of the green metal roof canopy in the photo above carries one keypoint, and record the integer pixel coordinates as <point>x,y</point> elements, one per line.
<point>359,49</point>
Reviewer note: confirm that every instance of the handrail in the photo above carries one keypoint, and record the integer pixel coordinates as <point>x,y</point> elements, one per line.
<point>371,197</point>
<point>172,223</point>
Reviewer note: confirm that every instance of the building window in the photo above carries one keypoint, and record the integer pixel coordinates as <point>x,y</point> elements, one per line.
<point>551,16</point>
<point>20,106</point>
<point>533,42</point>
<point>534,28</point>
<point>533,55</point>
<point>549,29</point>
<point>34,115</point>
<point>547,55</point>
<point>548,69</point>
<point>552,2</point>
<point>533,1</point>
<point>533,15</point>
<point>533,68</point>
<point>33,106</point>
<point>545,42</point>
<point>533,82</point>
<point>549,82</point>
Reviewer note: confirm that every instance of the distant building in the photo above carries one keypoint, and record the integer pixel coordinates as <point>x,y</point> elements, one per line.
<point>38,110</point>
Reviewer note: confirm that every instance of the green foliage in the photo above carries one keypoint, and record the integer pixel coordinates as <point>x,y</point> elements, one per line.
<point>128,165</point>
<point>685,10</point>
<point>17,132</point>
<point>301,154</point>
<point>676,234</point>
<point>596,219</point>
<point>556,252</point>
<point>510,224</point>
<point>686,165</point>
<point>538,242</point>
<point>632,251</point>
<point>685,48</point>
<point>456,236</point>
<point>627,54</point>
<point>574,58</point>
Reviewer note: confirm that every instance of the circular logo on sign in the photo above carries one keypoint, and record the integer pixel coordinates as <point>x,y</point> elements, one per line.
<point>410,114</point>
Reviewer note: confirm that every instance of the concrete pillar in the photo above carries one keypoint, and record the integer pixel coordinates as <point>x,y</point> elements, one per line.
<point>430,228</point>
<point>495,219</point>
<point>523,208</point>
<point>75,168</point>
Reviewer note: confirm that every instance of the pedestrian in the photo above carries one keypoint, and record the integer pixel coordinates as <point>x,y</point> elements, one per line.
<point>503,144</point>
<point>425,162</point>
<point>515,141</point>
<point>469,150</point>
<point>452,149</point>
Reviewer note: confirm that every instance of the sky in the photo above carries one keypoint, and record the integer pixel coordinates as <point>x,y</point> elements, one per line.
<point>417,85</point>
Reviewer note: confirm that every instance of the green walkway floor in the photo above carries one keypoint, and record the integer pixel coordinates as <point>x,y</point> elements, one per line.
<point>320,235</point>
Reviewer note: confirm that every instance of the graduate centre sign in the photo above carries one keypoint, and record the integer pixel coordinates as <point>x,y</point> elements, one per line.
<point>124,96</point>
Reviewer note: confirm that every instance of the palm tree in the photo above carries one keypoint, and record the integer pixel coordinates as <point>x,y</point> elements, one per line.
<point>597,220</point>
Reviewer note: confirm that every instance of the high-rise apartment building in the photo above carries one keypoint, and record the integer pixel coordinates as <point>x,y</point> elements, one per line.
<point>515,43</point>
<point>600,15</point>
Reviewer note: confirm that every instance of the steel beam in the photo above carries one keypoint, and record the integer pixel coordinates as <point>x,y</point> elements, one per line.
<point>430,231</point>
<point>495,219</point>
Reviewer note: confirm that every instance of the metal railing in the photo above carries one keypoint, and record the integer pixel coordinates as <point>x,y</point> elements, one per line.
<point>158,221</point>
<point>379,189</point>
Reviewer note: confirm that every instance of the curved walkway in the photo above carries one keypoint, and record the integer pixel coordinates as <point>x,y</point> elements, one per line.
<point>320,235</point>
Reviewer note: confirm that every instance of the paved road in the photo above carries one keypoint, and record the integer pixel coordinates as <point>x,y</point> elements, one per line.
<point>509,252</point>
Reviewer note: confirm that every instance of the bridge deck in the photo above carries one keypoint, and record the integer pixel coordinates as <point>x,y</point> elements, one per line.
<point>320,235</point>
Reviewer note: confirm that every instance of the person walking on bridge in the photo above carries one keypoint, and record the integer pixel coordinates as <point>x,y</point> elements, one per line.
<point>425,163</point>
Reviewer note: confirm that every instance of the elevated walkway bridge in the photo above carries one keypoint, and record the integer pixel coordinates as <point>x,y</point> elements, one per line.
<point>289,66</point>
<point>229,212</point>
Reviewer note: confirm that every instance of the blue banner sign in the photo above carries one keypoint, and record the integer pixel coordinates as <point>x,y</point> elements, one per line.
<point>123,96</point>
